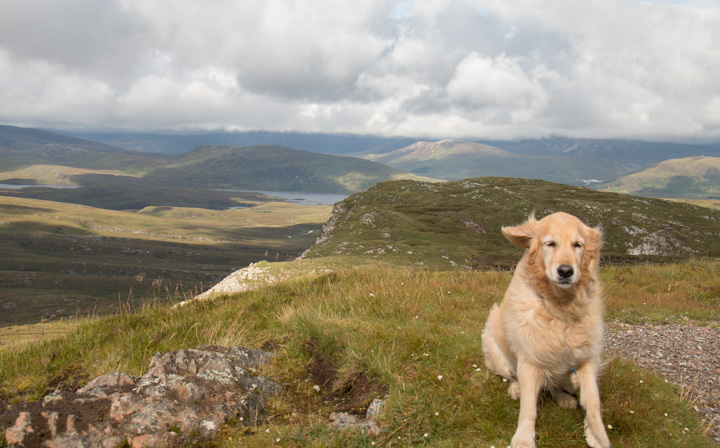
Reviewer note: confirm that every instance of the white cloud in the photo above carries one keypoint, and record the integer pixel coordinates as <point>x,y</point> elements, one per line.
<point>431,68</point>
<point>497,83</point>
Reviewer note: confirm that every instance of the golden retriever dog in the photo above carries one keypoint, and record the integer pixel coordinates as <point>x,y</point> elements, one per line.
<point>547,333</point>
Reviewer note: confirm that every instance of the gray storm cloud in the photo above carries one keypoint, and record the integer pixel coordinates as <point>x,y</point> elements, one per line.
<point>427,68</point>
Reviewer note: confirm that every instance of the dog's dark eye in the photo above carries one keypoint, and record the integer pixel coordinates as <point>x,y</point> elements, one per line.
<point>550,244</point>
<point>578,245</point>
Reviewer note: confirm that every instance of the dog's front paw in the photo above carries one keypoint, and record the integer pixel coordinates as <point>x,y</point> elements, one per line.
<point>519,441</point>
<point>596,436</point>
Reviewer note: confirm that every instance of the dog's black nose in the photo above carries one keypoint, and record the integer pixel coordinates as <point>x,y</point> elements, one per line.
<point>565,271</point>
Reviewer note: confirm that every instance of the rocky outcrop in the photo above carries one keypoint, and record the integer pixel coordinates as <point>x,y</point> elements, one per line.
<point>255,276</point>
<point>185,397</point>
<point>245,279</point>
<point>339,209</point>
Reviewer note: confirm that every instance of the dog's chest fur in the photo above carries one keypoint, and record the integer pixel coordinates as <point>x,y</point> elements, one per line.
<point>556,338</point>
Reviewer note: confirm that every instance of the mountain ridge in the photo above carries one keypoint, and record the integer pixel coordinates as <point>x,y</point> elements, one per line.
<point>458,159</point>
<point>690,177</point>
<point>265,167</point>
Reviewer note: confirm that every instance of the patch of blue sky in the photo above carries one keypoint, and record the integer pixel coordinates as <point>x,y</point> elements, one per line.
<point>402,8</point>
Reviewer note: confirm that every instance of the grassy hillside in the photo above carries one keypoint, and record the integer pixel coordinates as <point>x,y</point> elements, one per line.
<point>456,159</point>
<point>709,203</point>
<point>411,336</point>
<point>62,259</point>
<point>458,223</point>
<point>359,320</point>
<point>274,168</point>
<point>691,177</point>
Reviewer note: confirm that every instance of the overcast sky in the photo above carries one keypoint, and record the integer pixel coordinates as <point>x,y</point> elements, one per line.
<point>496,69</point>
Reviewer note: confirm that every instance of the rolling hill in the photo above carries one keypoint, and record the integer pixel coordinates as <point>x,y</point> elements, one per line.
<point>274,168</point>
<point>457,159</point>
<point>24,147</point>
<point>457,224</point>
<point>174,144</point>
<point>690,177</point>
<point>39,157</point>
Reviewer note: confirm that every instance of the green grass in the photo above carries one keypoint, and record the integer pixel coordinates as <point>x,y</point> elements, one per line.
<point>399,329</point>
<point>709,203</point>
<point>664,292</point>
<point>21,334</point>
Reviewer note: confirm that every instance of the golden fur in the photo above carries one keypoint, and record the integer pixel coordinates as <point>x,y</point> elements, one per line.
<point>547,332</point>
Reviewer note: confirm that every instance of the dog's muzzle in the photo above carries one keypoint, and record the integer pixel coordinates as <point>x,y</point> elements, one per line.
<point>565,272</point>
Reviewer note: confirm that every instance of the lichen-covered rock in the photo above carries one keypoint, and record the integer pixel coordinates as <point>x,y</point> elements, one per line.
<point>366,425</point>
<point>185,396</point>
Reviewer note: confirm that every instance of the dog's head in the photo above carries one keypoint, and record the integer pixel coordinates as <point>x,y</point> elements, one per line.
<point>560,247</point>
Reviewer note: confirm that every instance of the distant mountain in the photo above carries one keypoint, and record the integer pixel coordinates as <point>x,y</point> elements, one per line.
<point>274,168</point>
<point>458,223</point>
<point>174,144</point>
<point>27,139</point>
<point>690,177</point>
<point>456,159</point>
<point>23,147</point>
<point>633,152</point>
<point>36,157</point>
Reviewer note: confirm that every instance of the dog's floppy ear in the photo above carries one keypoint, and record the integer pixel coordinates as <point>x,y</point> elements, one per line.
<point>593,241</point>
<point>595,236</point>
<point>521,235</point>
<point>591,258</point>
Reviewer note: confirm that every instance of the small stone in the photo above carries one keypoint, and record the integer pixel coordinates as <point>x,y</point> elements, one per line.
<point>374,409</point>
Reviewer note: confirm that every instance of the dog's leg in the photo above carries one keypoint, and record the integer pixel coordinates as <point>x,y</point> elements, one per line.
<point>530,381</point>
<point>590,400</point>
<point>563,393</point>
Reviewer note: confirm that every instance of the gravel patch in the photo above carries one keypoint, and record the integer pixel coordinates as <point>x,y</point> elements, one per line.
<point>684,354</point>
